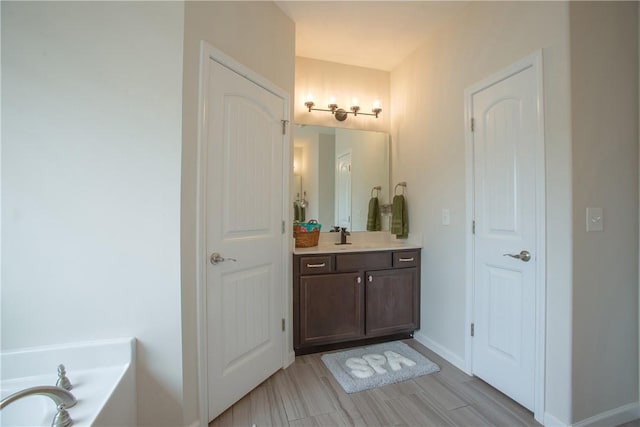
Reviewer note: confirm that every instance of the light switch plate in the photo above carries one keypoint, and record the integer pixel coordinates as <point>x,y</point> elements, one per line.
<point>446,217</point>
<point>595,219</point>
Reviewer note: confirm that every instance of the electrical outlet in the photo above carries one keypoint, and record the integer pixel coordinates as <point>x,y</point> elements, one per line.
<point>595,219</point>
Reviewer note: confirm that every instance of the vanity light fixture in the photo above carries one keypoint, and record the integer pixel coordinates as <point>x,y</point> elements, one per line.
<point>340,113</point>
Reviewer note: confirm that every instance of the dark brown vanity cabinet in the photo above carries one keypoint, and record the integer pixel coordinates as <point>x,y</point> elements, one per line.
<point>332,308</point>
<point>392,301</point>
<point>347,297</point>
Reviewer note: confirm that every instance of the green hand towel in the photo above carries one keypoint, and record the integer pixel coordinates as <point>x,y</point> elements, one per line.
<point>399,217</point>
<point>374,222</point>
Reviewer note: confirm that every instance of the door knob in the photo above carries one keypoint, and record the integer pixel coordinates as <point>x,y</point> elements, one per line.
<point>524,256</point>
<point>217,258</point>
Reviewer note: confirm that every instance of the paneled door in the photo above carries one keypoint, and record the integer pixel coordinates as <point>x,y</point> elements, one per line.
<point>505,134</point>
<point>245,280</point>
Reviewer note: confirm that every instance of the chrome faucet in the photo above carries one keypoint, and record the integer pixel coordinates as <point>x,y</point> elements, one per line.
<point>63,381</point>
<point>59,395</point>
<point>62,398</point>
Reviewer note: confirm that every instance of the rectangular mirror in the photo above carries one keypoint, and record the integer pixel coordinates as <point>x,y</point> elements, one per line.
<point>336,172</point>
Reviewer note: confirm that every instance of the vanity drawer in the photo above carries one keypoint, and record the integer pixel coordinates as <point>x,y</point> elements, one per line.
<point>363,261</point>
<point>316,264</point>
<point>406,259</point>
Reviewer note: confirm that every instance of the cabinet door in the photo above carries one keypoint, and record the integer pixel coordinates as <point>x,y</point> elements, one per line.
<point>392,301</point>
<point>331,308</point>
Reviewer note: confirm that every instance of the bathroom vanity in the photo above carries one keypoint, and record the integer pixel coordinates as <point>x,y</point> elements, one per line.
<point>354,294</point>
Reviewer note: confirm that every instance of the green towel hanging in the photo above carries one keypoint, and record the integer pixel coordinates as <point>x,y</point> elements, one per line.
<point>399,217</point>
<point>374,222</point>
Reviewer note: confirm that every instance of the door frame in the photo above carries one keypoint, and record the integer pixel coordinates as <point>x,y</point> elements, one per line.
<point>533,61</point>
<point>208,52</point>
<point>336,191</point>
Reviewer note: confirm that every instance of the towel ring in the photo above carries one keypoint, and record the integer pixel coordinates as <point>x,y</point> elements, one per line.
<point>377,189</point>
<point>402,184</point>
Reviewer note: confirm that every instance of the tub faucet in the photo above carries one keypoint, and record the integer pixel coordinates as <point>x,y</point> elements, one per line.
<point>63,381</point>
<point>62,398</point>
<point>59,395</point>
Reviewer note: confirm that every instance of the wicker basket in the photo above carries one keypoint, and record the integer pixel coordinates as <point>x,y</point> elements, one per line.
<point>307,239</point>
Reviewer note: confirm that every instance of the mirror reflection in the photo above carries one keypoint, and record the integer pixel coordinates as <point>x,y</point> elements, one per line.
<point>336,172</point>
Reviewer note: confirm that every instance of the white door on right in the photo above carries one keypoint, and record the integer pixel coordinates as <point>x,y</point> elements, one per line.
<point>505,117</point>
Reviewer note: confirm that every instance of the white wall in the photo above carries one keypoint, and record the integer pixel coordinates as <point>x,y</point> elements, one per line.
<point>260,36</point>
<point>428,151</point>
<point>91,113</point>
<point>604,93</point>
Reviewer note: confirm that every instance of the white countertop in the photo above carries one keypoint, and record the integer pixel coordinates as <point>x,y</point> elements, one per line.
<point>359,242</point>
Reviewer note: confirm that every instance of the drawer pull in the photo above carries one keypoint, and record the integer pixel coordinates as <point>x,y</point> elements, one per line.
<point>406,259</point>
<point>316,265</point>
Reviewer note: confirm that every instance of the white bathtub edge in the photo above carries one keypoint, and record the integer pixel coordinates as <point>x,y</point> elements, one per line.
<point>114,404</point>
<point>43,360</point>
<point>122,408</point>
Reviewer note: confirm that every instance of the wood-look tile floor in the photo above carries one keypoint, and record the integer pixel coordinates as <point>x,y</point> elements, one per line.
<point>306,394</point>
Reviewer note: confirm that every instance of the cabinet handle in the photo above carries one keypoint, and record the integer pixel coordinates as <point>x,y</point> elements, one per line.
<point>370,278</point>
<point>358,279</point>
<point>405,259</point>
<point>316,265</point>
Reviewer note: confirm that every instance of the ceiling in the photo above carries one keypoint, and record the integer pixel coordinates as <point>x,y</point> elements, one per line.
<point>372,34</point>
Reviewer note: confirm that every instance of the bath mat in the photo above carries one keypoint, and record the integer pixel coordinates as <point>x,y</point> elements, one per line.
<point>377,365</point>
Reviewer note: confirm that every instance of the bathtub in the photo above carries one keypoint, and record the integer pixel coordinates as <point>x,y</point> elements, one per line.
<point>102,374</point>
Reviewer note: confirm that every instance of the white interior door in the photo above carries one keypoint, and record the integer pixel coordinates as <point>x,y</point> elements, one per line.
<point>505,121</point>
<point>244,213</point>
<point>343,190</point>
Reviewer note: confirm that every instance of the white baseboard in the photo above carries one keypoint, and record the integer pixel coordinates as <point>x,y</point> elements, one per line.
<point>290,359</point>
<point>441,351</point>
<point>196,423</point>
<point>551,421</point>
<point>614,417</point>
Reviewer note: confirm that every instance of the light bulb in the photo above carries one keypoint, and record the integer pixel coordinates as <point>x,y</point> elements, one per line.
<point>354,102</point>
<point>376,103</point>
